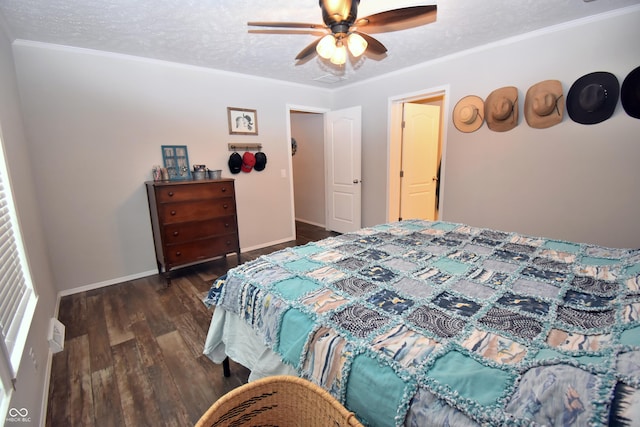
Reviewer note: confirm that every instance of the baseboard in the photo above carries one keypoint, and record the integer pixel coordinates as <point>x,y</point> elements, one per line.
<point>110,282</point>
<point>312,223</point>
<point>264,245</point>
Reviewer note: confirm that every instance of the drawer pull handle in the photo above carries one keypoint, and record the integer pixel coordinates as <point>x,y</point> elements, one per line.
<point>226,225</point>
<point>224,189</point>
<point>173,212</point>
<point>178,253</point>
<point>175,233</point>
<point>228,243</point>
<point>170,193</point>
<point>225,206</point>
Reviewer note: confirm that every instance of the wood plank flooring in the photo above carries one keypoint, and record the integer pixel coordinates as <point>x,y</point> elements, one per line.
<point>133,351</point>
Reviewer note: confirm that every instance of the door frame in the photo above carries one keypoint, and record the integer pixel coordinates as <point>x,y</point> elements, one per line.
<point>289,109</point>
<point>394,138</point>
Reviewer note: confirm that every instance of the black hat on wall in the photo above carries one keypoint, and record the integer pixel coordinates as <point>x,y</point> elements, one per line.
<point>593,97</point>
<point>630,93</point>
<point>261,161</point>
<point>235,163</point>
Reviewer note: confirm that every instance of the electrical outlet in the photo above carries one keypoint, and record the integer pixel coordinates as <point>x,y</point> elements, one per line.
<point>56,335</point>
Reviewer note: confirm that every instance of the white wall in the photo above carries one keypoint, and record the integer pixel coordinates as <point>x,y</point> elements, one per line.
<point>96,123</point>
<point>31,379</point>
<point>308,167</point>
<point>570,181</point>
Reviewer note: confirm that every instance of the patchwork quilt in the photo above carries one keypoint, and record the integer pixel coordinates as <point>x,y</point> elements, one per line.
<point>433,323</point>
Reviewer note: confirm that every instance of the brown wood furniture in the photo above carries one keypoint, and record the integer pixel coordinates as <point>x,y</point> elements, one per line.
<point>192,221</point>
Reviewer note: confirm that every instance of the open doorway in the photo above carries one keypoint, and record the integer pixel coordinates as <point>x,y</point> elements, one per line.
<point>307,166</point>
<point>415,157</point>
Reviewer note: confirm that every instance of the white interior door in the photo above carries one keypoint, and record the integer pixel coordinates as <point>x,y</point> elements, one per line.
<point>343,130</point>
<point>419,170</point>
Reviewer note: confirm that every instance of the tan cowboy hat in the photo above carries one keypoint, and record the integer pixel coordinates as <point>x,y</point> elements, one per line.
<point>544,104</point>
<point>501,109</point>
<point>468,114</point>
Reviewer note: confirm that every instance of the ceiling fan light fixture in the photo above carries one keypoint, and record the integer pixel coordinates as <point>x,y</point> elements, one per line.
<point>357,44</point>
<point>327,46</point>
<point>340,10</point>
<point>340,55</point>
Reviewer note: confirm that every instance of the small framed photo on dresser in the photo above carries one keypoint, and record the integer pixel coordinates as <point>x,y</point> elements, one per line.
<point>176,161</point>
<point>242,121</point>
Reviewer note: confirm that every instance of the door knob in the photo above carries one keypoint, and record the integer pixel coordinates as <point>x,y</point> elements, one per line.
<point>355,181</point>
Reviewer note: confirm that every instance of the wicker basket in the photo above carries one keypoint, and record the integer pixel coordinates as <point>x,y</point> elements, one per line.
<point>278,401</point>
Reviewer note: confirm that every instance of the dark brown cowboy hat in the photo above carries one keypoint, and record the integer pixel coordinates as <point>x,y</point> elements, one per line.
<point>593,98</point>
<point>630,93</point>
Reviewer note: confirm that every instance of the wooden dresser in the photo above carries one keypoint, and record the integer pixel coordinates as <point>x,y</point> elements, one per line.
<point>192,221</point>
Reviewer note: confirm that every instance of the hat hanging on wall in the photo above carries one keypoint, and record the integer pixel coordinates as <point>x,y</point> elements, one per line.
<point>501,109</point>
<point>235,163</point>
<point>630,93</point>
<point>248,161</point>
<point>544,104</point>
<point>593,98</point>
<point>468,114</point>
<point>261,161</point>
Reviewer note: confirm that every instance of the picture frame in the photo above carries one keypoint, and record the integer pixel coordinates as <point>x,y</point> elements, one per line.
<point>242,121</point>
<point>176,161</point>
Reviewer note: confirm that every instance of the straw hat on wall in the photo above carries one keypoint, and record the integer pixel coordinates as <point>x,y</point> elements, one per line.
<point>501,109</point>
<point>468,114</point>
<point>544,104</point>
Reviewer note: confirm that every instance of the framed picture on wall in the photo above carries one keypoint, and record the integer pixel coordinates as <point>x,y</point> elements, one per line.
<point>242,121</point>
<point>176,160</point>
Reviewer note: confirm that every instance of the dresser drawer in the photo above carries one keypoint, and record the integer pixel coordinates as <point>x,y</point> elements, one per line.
<point>198,250</point>
<point>179,193</point>
<point>186,231</point>
<point>196,210</point>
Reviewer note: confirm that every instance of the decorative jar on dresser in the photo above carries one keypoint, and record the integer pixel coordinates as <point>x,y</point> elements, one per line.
<point>192,222</point>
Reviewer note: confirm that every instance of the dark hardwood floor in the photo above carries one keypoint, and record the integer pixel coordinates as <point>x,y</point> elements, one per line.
<point>133,351</point>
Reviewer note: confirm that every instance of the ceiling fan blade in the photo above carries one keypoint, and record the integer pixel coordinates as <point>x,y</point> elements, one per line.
<point>288,31</point>
<point>419,14</point>
<point>309,50</point>
<point>287,25</point>
<point>373,45</point>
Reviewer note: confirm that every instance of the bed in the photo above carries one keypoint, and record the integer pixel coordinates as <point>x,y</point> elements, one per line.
<point>421,323</point>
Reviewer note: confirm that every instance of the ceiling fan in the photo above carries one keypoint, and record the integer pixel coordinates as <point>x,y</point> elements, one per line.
<point>343,26</point>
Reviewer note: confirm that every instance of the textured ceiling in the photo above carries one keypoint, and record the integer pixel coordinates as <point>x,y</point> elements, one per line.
<point>214,34</point>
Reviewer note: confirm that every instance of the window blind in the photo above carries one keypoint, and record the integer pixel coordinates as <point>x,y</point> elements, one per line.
<point>17,299</point>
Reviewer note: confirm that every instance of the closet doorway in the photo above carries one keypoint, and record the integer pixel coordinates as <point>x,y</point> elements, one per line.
<point>415,157</point>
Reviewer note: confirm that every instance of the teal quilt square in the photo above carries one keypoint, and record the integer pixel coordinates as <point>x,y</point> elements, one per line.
<point>295,287</point>
<point>451,266</point>
<point>471,379</point>
<point>445,226</point>
<point>562,246</point>
<point>365,396</point>
<point>294,331</point>
<point>630,336</point>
